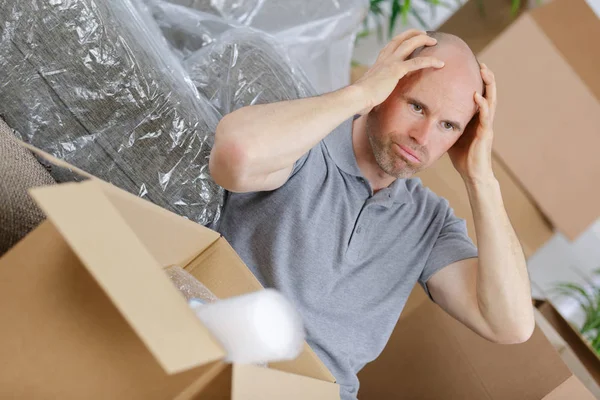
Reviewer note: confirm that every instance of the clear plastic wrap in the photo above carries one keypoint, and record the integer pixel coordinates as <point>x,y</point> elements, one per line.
<point>190,287</point>
<point>188,30</point>
<point>319,34</point>
<point>245,67</point>
<point>94,83</point>
<point>231,65</point>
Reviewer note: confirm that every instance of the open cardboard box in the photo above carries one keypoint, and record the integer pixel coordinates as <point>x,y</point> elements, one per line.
<point>431,356</point>
<point>582,349</point>
<point>546,63</point>
<point>89,313</point>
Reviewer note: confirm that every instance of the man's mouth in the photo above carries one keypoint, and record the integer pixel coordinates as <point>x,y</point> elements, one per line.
<point>407,153</point>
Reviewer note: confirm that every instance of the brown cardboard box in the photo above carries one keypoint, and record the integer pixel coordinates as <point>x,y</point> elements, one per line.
<point>531,227</point>
<point>479,22</point>
<point>584,352</point>
<point>88,312</point>
<point>432,356</point>
<point>548,116</point>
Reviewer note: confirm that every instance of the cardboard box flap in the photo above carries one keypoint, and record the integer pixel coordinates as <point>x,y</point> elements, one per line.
<point>534,112</point>
<point>215,267</point>
<point>252,382</point>
<point>570,389</point>
<point>572,25</point>
<point>118,261</point>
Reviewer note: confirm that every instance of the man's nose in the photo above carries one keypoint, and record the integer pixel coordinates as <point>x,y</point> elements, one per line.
<point>421,132</point>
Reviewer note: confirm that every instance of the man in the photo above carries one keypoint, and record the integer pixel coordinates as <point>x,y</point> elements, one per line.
<point>322,206</point>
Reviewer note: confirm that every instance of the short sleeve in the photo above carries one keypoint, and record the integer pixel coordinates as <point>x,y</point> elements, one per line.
<point>302,161</point>
<point>453,244</point>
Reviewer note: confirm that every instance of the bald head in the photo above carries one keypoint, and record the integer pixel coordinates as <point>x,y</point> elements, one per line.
<point>428,110</point>
<point>452,49</point>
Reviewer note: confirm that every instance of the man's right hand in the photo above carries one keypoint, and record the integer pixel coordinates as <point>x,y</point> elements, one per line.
<point>392,65</point>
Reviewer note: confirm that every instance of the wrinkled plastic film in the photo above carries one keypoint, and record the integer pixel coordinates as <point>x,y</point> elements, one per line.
<point>187,30</point>
<point>93,83</point>
<point>319,34</point>
<point>190,287</point>
<point>246,67</point>
<point>231,65</point>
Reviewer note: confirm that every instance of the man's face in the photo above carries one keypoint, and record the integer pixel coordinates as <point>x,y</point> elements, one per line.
<point>423,117</point>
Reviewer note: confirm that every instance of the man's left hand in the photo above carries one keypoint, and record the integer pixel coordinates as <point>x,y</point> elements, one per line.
<point>472,153</point>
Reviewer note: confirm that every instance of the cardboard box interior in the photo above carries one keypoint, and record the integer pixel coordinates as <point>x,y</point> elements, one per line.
<point>95,306</point>
<point>567,354</point>
<point>432,356</point>
<point>584,352</point>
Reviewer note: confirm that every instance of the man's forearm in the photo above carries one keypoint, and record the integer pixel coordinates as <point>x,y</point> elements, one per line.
<point>503,288</point>
<point>271,137</point>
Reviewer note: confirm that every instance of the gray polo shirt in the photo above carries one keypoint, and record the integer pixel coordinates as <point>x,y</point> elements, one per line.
<point>347,258</point>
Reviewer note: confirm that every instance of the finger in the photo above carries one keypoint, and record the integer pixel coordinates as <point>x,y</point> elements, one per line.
<point>393,44</point>
<point>484,111</point>
<point>410,45</point>
<point>418,63</point>
<point>490,87</point>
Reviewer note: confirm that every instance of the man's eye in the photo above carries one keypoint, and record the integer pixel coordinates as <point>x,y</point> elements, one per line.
<point>448,126</point>
<point>416,107</point>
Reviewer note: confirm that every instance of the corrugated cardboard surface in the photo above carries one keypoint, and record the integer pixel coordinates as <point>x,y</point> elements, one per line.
<point>531,227</point>
<point>571,389</point>
<point>89,312</point>
<point>477,26</point>
<point>547,121</point>
<point>432,356</point>
<point>584,353</point>
<point>215,267</point>
<point>573,28</point>
<point>129,275</point>
<point>61,336</point>
<point>256,383</point>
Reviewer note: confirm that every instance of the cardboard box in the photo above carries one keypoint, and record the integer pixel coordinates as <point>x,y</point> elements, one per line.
<point>479,22</point>
<point>567,354</point>
<point>88,311</point>
<point>432,356</point>
<point>546,129</point>
<point>582,349</point>
<point>531,226</point>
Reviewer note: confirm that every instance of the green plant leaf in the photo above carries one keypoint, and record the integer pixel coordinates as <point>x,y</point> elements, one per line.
<point>576,289</point>
<point>405,8</point>
<point>515,7</point>
<point>396,9</point>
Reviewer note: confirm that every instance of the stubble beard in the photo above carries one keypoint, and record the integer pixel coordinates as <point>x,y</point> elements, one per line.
<point>385,156</point>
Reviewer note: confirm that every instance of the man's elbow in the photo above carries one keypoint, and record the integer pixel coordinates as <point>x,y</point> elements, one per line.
<point>518,334</point>
<point>228,160</point>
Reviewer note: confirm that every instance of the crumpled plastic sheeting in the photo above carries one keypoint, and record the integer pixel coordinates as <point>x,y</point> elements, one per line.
<point>245,67</point>
<point>232,66</point>
<point>186,29</point>
<point>319,34</point>
<point>93,82</point>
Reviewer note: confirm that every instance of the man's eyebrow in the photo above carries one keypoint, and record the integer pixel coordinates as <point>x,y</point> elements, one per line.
<point>417,102</point>
<point>426,109</point>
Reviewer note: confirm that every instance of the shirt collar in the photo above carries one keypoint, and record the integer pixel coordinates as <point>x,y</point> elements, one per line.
<point>340,148</point>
